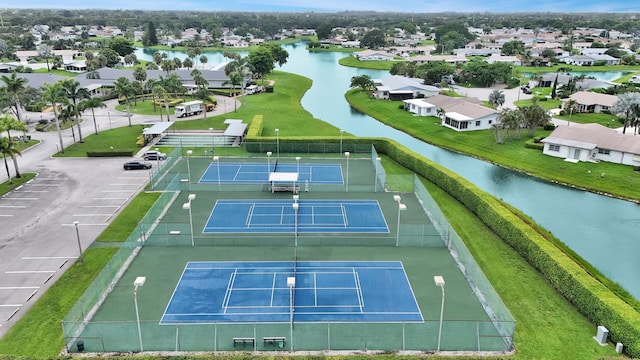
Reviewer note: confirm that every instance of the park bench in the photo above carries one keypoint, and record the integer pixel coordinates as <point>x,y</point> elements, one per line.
<point>244,341</point>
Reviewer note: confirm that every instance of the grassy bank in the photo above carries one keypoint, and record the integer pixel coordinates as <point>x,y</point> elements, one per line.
<point>5,187</point>
<point>118,139</point>
<point>619,180</point>
<point>351,61</point>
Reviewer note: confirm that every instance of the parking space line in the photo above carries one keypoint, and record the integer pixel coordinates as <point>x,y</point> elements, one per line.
<point>80,215</point>
<point>25,198</point>
<point>18,287</point>
<point>136,185</point>
<point>13,206</point>
<point>35,191</point>
<point>47,257</point>
<point>83,224</point>
<point>110,198</point>
<point>44,184</point>
<point>118,191</point>
<point>6,215</point>
<point>101,206</point>
<point>29,271</point>
<point>10,305</point>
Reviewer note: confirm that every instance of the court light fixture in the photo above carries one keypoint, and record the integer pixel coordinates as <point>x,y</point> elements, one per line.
<point>80,256</point>
<point>138,282</point>
<point>439,281</point>
<point>217,160</point>
<point>346,154</point>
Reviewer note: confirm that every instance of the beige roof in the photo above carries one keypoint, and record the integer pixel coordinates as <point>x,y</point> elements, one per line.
<point>468,107</point>
<point>603,137</point>
<point>591,98</point>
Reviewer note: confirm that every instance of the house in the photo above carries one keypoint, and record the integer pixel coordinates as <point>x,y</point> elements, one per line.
<point>580,60</point>
<point>396,87</point>
<point>460,114</point>
<point>373,55</point>
<point>514,60</point>
<point>592,142</point>
<point>76,66</point>
<point>593,102</point>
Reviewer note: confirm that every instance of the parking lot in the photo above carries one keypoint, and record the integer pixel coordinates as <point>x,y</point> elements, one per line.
<point>39,239</point>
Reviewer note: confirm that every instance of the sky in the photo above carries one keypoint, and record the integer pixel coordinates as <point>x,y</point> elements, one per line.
<point>414,6</point>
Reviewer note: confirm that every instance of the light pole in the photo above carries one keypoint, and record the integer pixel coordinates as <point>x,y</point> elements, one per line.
<point>570,112</point>
<point>401,208</point>
<point>346,153</point>
<point>439,280</point>
<point>213,146</point>
<point>140,280</point>
<point>269,153</point>
<point>375,182</point>
<point>278,142</point>
<point>341,132</point>
<point>187,206</point>
<point>217,159</point>
<point>295,205</point>
<point>189,152</point>
<point>76,223</point>
<point>298,165</point>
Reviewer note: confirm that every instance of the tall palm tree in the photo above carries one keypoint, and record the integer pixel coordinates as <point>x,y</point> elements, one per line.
<point>74,92</point>
<point>15,86</point>
<point>161,93</point>
<point>53,95</point>
<point>235,79</point>
<point>242,67</point>
<point>8,123</point>
<point>123,87</point>
<point>7,149</point>
<point>92,103</point>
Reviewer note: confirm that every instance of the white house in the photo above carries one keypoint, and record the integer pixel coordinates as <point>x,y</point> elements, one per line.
<point>373,55</point>
<point>460,114</point>
<point>593,102</point>
<point>592,142</point>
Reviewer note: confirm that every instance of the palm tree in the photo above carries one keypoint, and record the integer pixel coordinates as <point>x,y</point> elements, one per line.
<point>14,86</point>
<point>53,95</point>
<point>235,79</point>
<point>496,98</point>
<point>161,93</point>
<point>92,103</point>
<point>123,87</point>
<point>8,123</point>
<point>74,92</point>
<point>242,67</point>
<point>7,149</point>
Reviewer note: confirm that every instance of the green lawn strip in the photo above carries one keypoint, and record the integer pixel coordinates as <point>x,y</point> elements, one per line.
<point>5,187</point>
<point>281,109</point>
<point>56,72</point>
<point>121,227</point>
<point>619,180</point>
<point>607,120</point>
<point>22,146</point>
<point>38,334</point>
<point>120,139</point>
<point>547,104</point>
<point>146,107</point>
<point>351,61</point>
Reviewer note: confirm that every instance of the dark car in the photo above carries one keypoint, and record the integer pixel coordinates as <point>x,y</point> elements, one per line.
<point>137,165</point>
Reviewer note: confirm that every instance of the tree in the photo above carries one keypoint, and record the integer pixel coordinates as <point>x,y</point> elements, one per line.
<point>534,116</point>
<point>14,86</point>
<point>150,37</point>
<point>187,63</point>
<point>203,60</point>
<point>261,61</point>
<point>161,93</point>
<point>112,58</point>
<point>235,79</point>
<point>363,81</point>
<point>7,149</point>
<point>496,98</point>
<point>92,103</point>
<point>122,46</point>
<point>323,31</point>
<point>140,73</point>
<point>242,68</point>
<point>624,108</point>
<point>279,54</point>
<point>514,47</point>
<point>124,89</point>
<point>373,39</point>
<point>74,92</point>
<point>8,123</point>
<point>46,52</point>
<point>54,95</point>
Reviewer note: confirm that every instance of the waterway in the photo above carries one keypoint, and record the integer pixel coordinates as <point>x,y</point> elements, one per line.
<point>602,230</point>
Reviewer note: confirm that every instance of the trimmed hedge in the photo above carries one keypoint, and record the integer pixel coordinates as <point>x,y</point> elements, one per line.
<point>593,299</point>
<point>110,153</point>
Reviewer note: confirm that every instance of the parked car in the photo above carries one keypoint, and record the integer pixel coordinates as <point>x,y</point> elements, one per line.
<point>137,165</point>
<point>154,155</point>
<point>526,89</point>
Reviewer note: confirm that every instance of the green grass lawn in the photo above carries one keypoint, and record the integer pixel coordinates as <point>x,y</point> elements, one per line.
<point>607,120</point>
<point>121,139</point>
<point>620,180</point>
<point>351,61</point>
<point>55,72</point>
<point>5,187</point>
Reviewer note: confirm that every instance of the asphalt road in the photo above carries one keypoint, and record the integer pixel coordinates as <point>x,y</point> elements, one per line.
<point>38,241</point>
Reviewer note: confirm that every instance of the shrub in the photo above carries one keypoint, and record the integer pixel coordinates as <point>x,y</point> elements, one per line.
<point>41,127</point>
<point>549,126</point>
<point>109,153</point>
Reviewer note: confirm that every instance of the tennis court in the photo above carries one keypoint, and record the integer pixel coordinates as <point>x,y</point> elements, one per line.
<point>256,173</point>
<point>313,216</point>
<point>356,291</point>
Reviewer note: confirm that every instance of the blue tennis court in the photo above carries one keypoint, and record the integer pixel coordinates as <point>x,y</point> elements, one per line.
<point>279,216</point>
<point>230,173</point>
<point>354,291</point>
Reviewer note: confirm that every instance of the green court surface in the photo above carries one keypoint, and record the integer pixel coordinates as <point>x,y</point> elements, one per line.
<point>474,319</point>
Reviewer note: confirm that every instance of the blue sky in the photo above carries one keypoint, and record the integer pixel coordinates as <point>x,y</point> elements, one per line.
<point>416,6</point>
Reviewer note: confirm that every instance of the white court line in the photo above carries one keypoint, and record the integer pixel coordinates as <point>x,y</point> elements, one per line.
<point>18,287</point>
<point>47,257</point>
<point>29,271</point>
<point>25,198</point>
<point>13,206</point>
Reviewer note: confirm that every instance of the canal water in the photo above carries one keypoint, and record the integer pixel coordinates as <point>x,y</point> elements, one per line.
<point>602,230</point>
